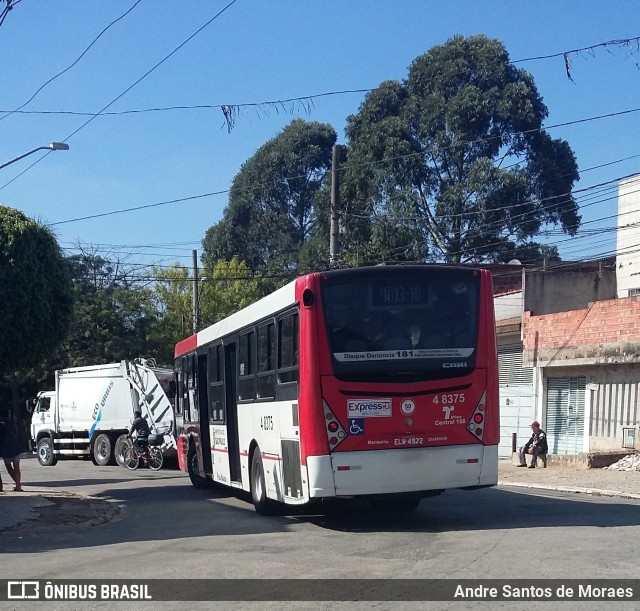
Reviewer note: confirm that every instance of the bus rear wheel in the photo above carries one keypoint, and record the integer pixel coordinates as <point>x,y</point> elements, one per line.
<point>263,505</point>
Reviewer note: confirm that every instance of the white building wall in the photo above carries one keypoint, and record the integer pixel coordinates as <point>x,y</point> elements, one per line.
<point>628,236</point>
<point>509,305</point>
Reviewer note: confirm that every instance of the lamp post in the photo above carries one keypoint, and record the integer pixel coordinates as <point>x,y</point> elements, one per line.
<point>53,146</point>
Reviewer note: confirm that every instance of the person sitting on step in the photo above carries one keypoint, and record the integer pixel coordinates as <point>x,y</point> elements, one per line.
<point>536,446</point>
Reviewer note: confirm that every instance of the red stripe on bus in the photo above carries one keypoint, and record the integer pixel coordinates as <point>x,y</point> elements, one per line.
<point>186,345</point>
<point>220,450</point>
<point>271,456</point>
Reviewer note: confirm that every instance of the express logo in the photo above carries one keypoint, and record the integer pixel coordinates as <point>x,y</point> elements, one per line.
<point>367,408</point>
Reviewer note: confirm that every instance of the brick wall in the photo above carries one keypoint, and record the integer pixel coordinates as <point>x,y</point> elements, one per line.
<point>616,321</point>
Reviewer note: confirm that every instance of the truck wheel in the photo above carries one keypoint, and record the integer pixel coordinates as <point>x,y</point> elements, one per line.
<point>46,457</point>
<point>103,450</point>
<point>120,449</point>
<point>263,505</point>
<point>192,466</point>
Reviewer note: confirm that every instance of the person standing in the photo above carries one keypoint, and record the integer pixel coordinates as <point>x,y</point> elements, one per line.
<point>536,446</point>
<point>10,448</point>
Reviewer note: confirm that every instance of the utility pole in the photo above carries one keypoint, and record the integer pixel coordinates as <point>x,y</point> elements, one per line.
<point>196,297</point>
<point>335,207</point>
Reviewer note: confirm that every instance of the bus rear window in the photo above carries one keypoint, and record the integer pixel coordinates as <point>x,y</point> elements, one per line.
<point>402,323</point>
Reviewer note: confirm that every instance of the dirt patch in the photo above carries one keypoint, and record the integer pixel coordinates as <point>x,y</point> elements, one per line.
<point>78,510</point>
<point>63,509</point>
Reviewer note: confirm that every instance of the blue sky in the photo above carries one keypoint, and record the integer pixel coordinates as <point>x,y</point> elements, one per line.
<point>259,51</point>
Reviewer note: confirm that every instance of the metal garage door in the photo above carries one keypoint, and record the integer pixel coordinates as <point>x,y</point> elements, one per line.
<point>516,397</point>
<point>565,415</point>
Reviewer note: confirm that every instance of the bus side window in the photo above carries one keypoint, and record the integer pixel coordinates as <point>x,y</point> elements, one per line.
<point>288,349</point>
<point>216,386</point>
<point>189,398</point>
<point>246,373</point>
<point>180,391</point>
<point>266,361</point>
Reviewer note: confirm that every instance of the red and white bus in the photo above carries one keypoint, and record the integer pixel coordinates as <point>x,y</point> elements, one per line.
<point>378,382</point>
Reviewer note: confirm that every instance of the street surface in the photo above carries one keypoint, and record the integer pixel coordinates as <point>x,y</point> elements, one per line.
<point>168,529</point>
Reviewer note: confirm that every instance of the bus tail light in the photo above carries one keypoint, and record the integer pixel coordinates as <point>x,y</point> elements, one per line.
<point>335,432</point>
<point>476,424</point>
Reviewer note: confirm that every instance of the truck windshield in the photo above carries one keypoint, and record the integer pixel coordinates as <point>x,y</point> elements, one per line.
<point>415,324</point>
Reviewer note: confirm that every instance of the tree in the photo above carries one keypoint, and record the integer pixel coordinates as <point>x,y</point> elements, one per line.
<point>227,288</point>
<point>173,296</point>
<point>113,313</point>
<point>224,289</point>
<point>453,164</point>
<point>270,215</point>
<point>35,292</point>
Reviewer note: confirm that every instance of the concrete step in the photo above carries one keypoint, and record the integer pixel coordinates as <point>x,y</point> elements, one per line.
<point>583,460</point>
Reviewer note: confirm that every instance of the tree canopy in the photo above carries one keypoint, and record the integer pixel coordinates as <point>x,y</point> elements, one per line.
<point>453,164</point>
<point>270,215</point>
<point>113,315</point>
<point>35,292</point>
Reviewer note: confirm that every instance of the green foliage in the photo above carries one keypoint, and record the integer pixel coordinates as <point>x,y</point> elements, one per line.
<point>113,315</point>
<point>227,288</point>
<point>270,215</point>
<point>173,298</point>
<point>35,292</point>
<point>453,164</point>
<point>223,290</point>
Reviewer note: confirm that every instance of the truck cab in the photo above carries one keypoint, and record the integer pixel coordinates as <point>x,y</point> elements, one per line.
<point>43,426</point>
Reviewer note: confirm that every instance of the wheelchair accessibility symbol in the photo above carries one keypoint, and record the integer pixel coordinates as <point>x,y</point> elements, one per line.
<point>356,426</point>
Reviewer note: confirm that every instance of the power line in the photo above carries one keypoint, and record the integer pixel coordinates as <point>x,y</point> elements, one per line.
<point>53,78</point>
<point>138,81</point>
<point>231,110</point>
<point>305,98</point>
<point>272,103</point>
<point>609,43</point>
<point>6,9</point>
<point>122,210</point>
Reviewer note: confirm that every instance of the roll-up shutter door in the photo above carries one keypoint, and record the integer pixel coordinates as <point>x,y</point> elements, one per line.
<point>565,415</point>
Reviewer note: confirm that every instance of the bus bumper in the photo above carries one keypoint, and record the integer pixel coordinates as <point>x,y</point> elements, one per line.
<point>402,470</point>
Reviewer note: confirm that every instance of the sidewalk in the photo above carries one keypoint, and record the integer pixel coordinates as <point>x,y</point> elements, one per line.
<point>623,484</point>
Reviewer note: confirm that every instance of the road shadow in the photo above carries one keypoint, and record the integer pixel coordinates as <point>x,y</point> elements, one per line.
<point>480,510</point>
<point>177,512</point>
<point>63,484</point>
<point>167,511</point>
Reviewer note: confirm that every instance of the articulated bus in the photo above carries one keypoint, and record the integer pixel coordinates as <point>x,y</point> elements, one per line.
<point>379,383</point>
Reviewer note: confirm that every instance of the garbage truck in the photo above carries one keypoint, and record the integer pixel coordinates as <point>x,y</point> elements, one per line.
<point>90,411</point>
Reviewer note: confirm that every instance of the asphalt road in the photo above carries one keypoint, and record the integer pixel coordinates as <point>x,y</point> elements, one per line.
<point>167,529</point>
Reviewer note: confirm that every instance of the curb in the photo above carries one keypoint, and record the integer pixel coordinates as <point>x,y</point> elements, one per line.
<point>576,490</point>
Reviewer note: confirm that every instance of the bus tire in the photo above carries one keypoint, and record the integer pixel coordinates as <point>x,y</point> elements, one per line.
<point>263,505</point>
<point>192,466</point>
<point>102,452</point>
<point>46,457</point>
<point>404,503</point>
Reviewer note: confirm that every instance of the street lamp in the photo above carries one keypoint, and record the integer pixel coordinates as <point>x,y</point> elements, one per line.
<point>53,146</point>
